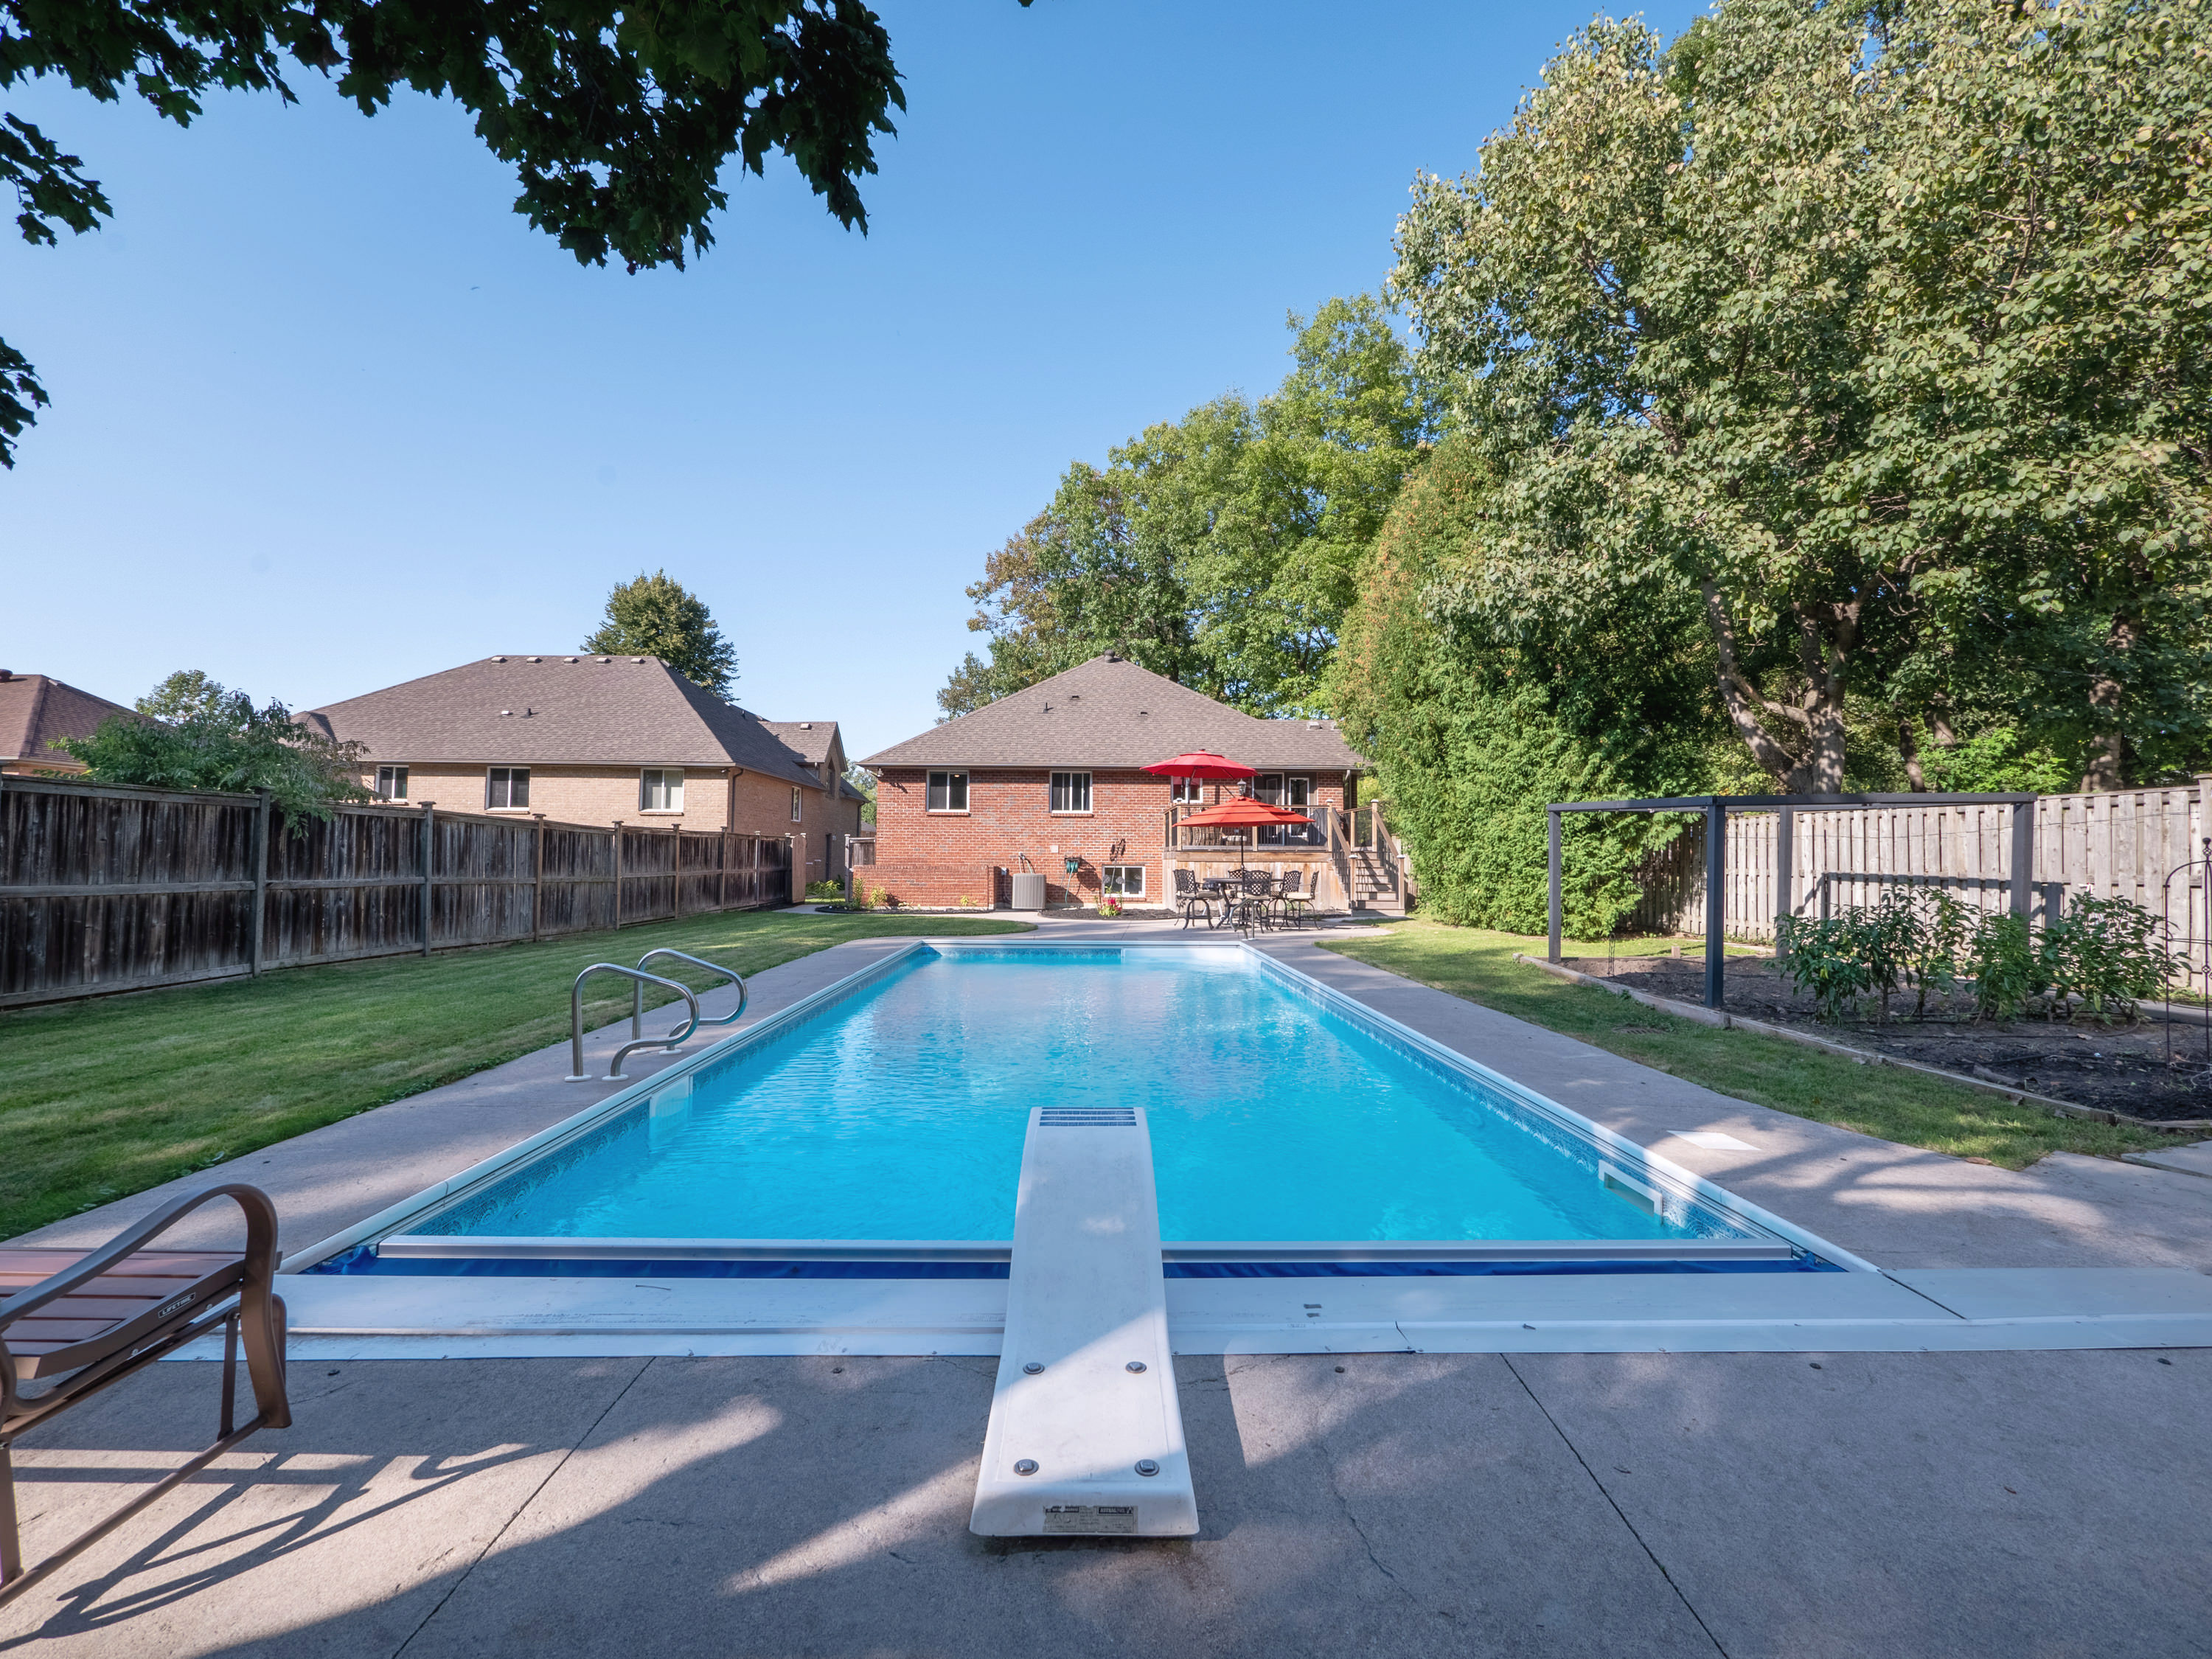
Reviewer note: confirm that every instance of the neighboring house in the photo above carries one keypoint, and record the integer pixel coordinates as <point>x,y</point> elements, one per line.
<point>35,710</point>
<point>592,740</point>
<point>1054,772</point>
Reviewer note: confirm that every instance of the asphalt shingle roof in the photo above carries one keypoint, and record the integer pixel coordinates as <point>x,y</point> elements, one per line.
<point>35,708</point>
<point>561,710</point>
<point>1109,713</point>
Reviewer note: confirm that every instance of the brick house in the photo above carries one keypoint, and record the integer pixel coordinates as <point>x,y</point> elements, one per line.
<point>590,739</point>
<point>35,709</point>
<point>1053,773</point>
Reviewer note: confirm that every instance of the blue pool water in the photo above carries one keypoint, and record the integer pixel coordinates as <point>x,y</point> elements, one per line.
<point>899,1113</point>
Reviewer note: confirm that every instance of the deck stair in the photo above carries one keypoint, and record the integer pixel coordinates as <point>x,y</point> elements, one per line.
<point>1086,1434</point>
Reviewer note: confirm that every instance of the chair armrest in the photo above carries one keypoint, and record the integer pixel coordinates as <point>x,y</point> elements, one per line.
<point>260,1253</point>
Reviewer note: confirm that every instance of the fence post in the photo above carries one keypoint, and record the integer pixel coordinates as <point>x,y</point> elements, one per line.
<point>1552,874</point>
<point>1785,861</point>
<point>619,872</point>
<point>260,882</point>
<point>429,853</point>
<point>722,871</point>
<point>2023,856</point>
<point>537,878</point>
<point>1715,901</point>
<point>676,888</point>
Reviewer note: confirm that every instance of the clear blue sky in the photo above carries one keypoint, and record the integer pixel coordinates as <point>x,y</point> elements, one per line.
<point>328,415</point>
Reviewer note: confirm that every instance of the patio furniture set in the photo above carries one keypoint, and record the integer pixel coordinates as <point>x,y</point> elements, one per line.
<point>1250,901</point>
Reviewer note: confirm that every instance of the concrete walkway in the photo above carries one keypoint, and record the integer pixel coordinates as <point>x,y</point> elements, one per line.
<point>1744,1504</point>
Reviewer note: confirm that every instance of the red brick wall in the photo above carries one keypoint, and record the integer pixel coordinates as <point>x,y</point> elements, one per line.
<point>934,860</point>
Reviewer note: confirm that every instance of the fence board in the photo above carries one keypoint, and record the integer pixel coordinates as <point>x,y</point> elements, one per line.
<point>2125,844</point>
<point>104,888</point>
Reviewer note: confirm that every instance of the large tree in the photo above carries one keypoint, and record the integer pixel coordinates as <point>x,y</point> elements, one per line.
<point>1884,333</point>
<point>1221,550</point>
<point>657,615</point>
<point>192,733</point>
<point>617,120</point>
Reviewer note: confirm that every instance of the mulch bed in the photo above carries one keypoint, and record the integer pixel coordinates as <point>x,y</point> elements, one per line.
<point>2115,1069</point>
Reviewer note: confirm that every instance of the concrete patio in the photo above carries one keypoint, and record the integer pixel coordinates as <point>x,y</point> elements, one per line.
<point>1743,1503</point>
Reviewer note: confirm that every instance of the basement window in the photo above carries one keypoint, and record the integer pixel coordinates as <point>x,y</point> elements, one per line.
<point>1122,880</point>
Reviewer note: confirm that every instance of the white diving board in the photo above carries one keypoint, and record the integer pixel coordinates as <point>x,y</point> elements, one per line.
<point>1086,1434</point>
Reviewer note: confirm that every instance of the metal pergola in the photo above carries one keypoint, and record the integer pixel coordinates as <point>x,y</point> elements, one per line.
<point>1715,809</point>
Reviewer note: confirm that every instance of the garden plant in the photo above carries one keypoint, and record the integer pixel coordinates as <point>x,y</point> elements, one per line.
<point>2102,958</point>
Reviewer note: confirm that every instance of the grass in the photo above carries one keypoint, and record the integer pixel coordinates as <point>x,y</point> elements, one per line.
<point>1905,1107</point>
<point>104,1098</point>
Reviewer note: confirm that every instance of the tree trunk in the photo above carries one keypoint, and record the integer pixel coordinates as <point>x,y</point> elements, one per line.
<point>2106,749</point>
<point>1908,744</point>
<point>1825,637</point>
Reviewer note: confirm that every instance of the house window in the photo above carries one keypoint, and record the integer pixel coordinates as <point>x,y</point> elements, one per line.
<point>391,782</point>
<point>1071,792</point>
<point>948,792</point>
<point>506,786</point>
<point>660,789</point>
<point>796,803</point>
<point>1122,880</point>
<point>1186,792</point>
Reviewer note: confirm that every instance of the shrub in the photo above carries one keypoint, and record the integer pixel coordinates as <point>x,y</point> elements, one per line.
<point>2001,960</point>
<point>2105,951</point>
<point>825,890</point>
<point>1829,959</point>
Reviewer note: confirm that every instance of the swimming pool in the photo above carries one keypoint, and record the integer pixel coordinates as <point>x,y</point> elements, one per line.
<point>895,1110</point>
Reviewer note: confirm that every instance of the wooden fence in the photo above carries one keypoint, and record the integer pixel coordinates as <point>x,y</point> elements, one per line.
<point>104,888</point>
<point>2118,844</point>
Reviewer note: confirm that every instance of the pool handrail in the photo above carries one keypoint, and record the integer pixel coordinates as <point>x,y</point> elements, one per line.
<point>730,974</point>
<point>577,1073</point>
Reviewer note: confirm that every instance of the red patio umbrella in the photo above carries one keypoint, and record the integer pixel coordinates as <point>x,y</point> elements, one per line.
<point>1243,813</point>
<point>1202,764</point>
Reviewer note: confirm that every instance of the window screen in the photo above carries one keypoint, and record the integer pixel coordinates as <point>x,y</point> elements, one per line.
<point>391,782</point>
<point>507,786</point>
<point>660,789</point>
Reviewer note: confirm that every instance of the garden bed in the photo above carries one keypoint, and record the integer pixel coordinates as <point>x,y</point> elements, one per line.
<point>2114,1068</point>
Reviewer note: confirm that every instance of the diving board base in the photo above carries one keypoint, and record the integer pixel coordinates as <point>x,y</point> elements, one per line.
<point>1086,1436</point>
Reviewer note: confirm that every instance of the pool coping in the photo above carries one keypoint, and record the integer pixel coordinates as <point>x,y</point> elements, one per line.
<point>389,1222</point>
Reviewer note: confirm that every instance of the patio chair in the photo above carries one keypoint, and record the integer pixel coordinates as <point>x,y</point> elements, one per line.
<point>1192,899</point>
<point>1255,902</point>
<point>80,1322</point>
<point>1293,903</point>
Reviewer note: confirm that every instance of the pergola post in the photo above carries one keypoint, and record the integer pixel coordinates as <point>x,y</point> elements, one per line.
<point>2023,857</point>
<point>1552,874</point>
<point>1716,899</point>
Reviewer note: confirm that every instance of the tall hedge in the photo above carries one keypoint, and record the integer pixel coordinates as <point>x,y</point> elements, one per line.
<point>1471,737</point>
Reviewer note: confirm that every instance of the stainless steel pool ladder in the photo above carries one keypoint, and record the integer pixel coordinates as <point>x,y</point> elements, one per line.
<point>576,1072</point>
<point>637,1010</point>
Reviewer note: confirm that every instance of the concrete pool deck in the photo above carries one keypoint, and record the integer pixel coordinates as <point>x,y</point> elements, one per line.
<point>1744,1503</point>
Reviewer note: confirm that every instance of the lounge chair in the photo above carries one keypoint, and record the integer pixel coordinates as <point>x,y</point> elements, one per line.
<point>78,1322</point>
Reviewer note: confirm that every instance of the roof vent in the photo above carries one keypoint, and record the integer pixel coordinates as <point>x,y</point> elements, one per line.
<point>806,725</point>
<point>499,660</point>
<point>567,660</point>
<point>637,659</point>
<point>1112,656</point>
<point>505,711</point>
<point>533,659</point>
<point>606,659</point>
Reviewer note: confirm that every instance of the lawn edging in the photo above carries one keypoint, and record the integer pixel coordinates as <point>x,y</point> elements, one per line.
<point>1721,1019</point>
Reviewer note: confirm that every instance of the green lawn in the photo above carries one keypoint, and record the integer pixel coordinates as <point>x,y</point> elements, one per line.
<point>1876,1100</point>
<point>103,1098</point>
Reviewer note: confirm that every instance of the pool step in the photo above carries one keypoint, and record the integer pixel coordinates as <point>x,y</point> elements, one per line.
<point>1085,1433</point>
